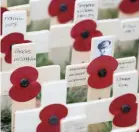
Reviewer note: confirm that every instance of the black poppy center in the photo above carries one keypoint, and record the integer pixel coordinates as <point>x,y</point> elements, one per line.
<point>125,109</point>
<point>53,120</point>
<point>85,34</point>
<point>63,7</point>
<point>24,82</point>
<point>102,72</point>
<point>133,0</point>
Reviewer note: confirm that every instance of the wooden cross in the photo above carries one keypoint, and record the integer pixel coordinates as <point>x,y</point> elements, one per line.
<point>44,13</point>
<point>12,24</point>
<point>41,79</point>
<point>76,75</point>
<point>24,55</point>
<point>98,111</point>
<point>52,93</point>
<point>83,114</point>
<point>60,37</point>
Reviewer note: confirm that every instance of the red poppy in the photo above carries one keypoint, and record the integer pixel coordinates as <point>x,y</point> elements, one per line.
<point>63,9</point>
<point>25,87</point>
<point>124,109</point>
<point>2,10</point>
<point>50,117</point>
<point>83,32</point>
<point>101,72</point>
<point>8,41</point>
<point>129,6</point>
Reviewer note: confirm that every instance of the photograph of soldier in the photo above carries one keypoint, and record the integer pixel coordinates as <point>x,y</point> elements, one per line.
<point>105,47</point>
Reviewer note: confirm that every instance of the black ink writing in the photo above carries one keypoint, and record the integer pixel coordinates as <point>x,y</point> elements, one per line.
<point>85,10</point>
<point>123,79</point>
<point>12,21</point>
<point>26,59</point>
<point>25,51</point>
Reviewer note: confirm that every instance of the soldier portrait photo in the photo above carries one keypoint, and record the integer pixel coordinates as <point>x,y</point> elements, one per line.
<point>105,47</point>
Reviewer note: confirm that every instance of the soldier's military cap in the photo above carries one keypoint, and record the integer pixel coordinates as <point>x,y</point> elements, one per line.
<point>104,44</point>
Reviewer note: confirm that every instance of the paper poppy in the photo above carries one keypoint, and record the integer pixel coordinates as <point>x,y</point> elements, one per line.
<point>101,72</point>
<point>50,117</point>
<point>8,41</point>
<point>25,87</point>
<point>83,32</point>
<point>129,6</point>
<point>2,10</point>
<point>62,9</point>
<point>124,109</point>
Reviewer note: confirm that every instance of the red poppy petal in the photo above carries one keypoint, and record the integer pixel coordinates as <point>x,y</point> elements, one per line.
<point>2,10</point>
<point>26,41</point>
<point>67,16</point>
<point>126,120</point>
<point>115,106</point>
<point>26,72</point>
<point>81,44</point>
<point>55,109</point>
<point>129,7</point>
<point>102,62</point>
<point>8,58</point>
<point>86,25</point>
<point>45,127</point>
<point>53,8</point>
<point>10,39</point>
<point>21,94</point>
<point>96,33</point>
<point>97,82</point>
<point>64,17</point>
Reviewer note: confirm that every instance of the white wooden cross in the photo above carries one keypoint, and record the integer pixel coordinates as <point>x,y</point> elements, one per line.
<point>76,75</point>
<point>15,21</point>
<point>60,37</point>
<point>25,55</point>
<point>80,115</point>
<point>109,4</point>
<point>5,77</point>
<point>129,29</point>
<point>44,14</point>
<point>98,111</point>
<point>52,93</point>
<point>85,9</point>
<point>46,74</point>
<point>129,32</point>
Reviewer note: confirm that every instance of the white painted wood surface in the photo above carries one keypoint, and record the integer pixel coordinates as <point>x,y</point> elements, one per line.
<point>14,21</point>
<point>85,9</point>
<point>60,36</point>
<point>80,113</point>
<point>41,39</point>
<point>54,92</point>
